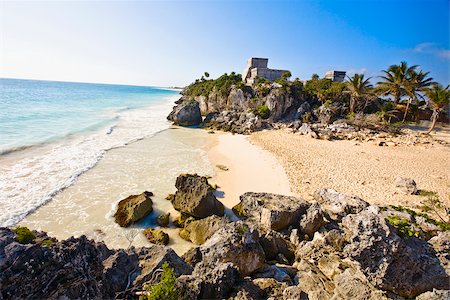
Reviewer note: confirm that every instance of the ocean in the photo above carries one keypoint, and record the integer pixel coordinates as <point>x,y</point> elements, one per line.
<point>52,132</point>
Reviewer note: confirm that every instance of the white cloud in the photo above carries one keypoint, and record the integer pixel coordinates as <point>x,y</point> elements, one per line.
<point>432,48</point>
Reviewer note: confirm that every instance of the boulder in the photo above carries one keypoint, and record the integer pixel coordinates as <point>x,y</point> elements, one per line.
<point>133,208</point>
<point>151,260</point>
<point>270,210</point>
<point>195,197</point>
<point>201,230</point>
<point>163,220</point>
<point>119,269</point>
<point>237,243</point>
<point>156,236</point>
<point>187,113</point>
<point>406,185</point>
<point>407,267</point>
<point>435,295</point>
<point>70,269</point>
<point>272,288</point>
<point>276,246</point>
<point>338,205</point>
<point>312,220</point>
<point>210,281</point>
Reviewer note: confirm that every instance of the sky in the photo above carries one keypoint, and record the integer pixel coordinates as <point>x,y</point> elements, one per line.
<point>171,43</point>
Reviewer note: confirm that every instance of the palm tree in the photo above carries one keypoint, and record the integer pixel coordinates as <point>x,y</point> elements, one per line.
<point>394,80</point>
<point>415,83</point>
<point>359,88</point>
<point>439,98</point>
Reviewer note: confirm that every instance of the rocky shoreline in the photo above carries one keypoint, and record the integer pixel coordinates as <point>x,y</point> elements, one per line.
<point>339,247</point>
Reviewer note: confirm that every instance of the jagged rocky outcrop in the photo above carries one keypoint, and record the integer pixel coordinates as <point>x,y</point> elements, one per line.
<point>133,208</point>
<point>77,268</point>
<point>195,197</point>
<point>199,231</point>
<point>271,210</point>
<point>186,113</point>
<point>338,248</point>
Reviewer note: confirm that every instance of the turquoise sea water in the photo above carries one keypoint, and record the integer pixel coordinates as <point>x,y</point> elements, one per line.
<point>51,132</point>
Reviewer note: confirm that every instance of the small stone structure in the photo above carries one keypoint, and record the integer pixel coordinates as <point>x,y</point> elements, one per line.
<point>257,67</point>
<point>338,76</point>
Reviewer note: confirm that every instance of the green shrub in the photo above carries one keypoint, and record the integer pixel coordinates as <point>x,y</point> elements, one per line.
<point>427,193</point>
<point>263,111</point>
<point>403,226</point>
<point>24,235</point>
<point>46,243</point>
<point>166,288</point>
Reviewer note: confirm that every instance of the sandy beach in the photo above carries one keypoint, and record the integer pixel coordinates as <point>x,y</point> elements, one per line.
<point>250,169</point>
<point>152,164</point>
<point>361,169</point>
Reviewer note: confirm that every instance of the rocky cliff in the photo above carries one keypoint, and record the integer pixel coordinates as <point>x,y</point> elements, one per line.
<point>282,248</point>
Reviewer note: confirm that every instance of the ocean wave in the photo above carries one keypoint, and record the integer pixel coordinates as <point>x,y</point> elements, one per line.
<point>32,180</point>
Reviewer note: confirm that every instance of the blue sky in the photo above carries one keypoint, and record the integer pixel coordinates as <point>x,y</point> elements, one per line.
<point>172,43</point>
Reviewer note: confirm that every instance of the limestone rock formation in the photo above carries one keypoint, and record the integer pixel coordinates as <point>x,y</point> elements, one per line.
<point>201,230</point>
<point>407,267</point>
<point>312,220</point>
<point>406,185</point>
<point>187,113</point>
<point>156,236</point>
<point>237,243</point>
<point>195,197</point>
<point>271,210</point>
<point>338,205</point>
<point>163,220</point>
<point>133,208</point>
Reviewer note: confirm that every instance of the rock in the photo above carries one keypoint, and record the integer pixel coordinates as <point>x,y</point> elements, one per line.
<point>294,293</point>
<point>69,269</point>
<point>193,256</point>
<point>312,220</point>
<point>248,290</point>
<point>313,282</point>
<point>305,129</point>
<point>406,185</point>
<point>435,295</point>
<point>338,205</point>
<point>151,260</point>
<point>195,197</point>
<point>133,208</point>
<point>326,114</point>
<point>201,230</point>
<point>270,210</point>
<point>441,245</point>
<point>237,243</point>
<point>407,267</point>
<point>118,268</point>
<point>272,288</point>
<point>211,281</point>
<point>273,272</point>
<point>156,236</point>
<point>163,220</point>
<point>186,113</point>
<point>276,247</point>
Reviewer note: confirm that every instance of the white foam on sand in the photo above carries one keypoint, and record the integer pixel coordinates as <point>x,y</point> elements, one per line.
<point>151,164</point>
<point>31,177</point>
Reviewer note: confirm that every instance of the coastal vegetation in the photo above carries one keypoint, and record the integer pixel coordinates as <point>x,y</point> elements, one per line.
<point>403,93</point>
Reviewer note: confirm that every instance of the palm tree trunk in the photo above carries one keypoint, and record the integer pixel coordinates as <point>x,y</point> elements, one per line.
<point>352,104</point>
<point>406,111</point>
<point>435,117</point>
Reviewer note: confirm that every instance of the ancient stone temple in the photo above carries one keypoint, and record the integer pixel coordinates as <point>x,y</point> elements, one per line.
<point>335,75</point>
<point>257,67</point>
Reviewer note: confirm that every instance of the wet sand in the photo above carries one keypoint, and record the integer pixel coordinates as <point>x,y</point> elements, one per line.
<point>152,164</point>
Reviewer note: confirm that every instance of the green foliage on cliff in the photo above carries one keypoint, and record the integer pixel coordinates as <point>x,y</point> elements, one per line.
<point>326,89</point>
<point>166,289</point>
<point>263,111</point>
<point>24,235</point>
<point>222,85</point>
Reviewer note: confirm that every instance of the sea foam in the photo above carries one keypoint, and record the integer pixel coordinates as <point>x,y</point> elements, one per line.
<point>32,176</point>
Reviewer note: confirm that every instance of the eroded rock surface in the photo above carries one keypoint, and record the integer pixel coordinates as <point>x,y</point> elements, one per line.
<point>133,208</point>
